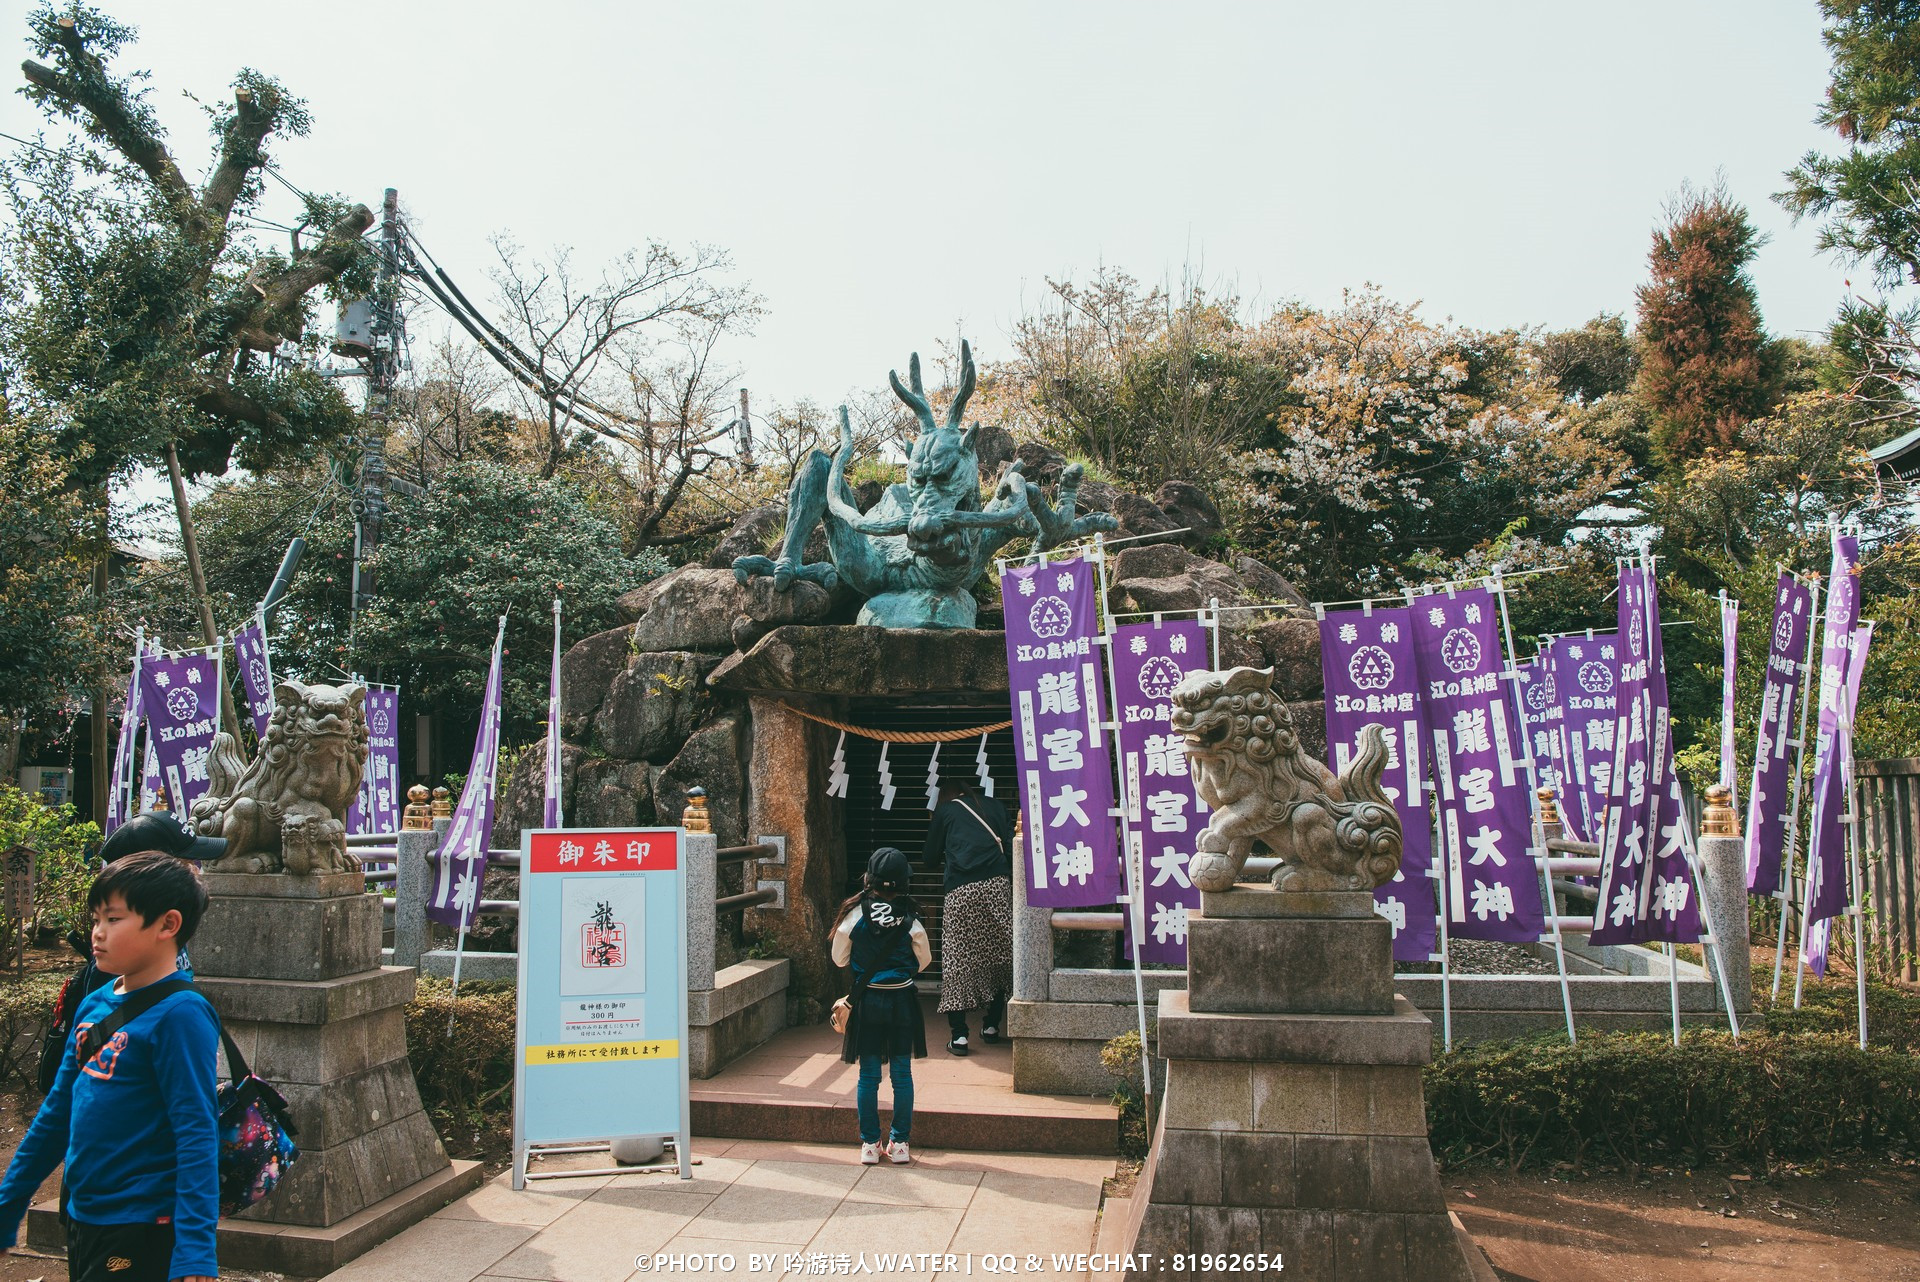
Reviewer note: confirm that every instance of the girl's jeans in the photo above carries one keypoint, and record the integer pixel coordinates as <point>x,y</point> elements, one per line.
<point>867,1098</point>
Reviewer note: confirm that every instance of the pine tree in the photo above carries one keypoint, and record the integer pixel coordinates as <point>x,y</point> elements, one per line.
<point>1703,369</point>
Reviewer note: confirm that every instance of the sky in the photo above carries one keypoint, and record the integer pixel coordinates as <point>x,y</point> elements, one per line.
<point>889,175</point>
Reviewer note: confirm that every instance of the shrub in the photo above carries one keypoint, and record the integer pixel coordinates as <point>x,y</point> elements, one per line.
<point>26,1008</point>
<point>464,1067</point>
<point>1636,1098</point>
<point>62,869</point>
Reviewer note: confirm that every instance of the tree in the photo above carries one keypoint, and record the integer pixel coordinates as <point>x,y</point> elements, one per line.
<point>1408,449</point>
<point>53,632</point>
<point>1702,371</point>
<point>1594,361</point>
<point>578,338</point>
<point>1870,194</point>
<point>1146,386</point>
<point>484,541</point>
<point>146,315</point>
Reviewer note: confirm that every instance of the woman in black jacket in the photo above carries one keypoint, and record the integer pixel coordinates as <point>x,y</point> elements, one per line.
<point>880,938</point>
<point>973,836</point>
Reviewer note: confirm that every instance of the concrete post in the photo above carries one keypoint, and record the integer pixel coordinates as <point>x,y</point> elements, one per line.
<point>1723,867</point>
<point>703,878</point>
<point>412,880</point>
<point>1032,940</point>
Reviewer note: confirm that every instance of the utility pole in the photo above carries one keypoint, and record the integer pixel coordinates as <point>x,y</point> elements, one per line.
<point>383,367</point>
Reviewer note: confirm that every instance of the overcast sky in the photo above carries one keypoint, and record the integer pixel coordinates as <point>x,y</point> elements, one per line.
<point>890,174</point>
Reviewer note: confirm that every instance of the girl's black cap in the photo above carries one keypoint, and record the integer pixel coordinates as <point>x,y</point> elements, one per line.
<point>888,869</point>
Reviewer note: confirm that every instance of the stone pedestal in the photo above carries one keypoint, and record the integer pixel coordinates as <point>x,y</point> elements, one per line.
<point>1293,1121</point>
<point>1723,867</point>
<point>293,966</point>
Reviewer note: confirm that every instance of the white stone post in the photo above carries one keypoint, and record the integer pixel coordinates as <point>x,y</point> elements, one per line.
<point>412,881</point>
<point>703,878</point>
<point>1032,939</point>
<point>1723,867</point>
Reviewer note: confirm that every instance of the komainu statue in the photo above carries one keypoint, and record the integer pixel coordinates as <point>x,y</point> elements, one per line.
<point>1331,832</point>
<point>916,555</point>
<point>286,811</point>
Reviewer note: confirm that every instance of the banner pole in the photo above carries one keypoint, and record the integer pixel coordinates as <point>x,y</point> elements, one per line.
<point>1539,852</point>
<point>1793,812</point>
<point>490,736</point>
<point>1214,617</point>
<point>1135,877</point>
<point>1858,656</point>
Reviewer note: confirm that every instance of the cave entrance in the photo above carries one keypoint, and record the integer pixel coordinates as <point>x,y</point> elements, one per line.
<point>871,823</point>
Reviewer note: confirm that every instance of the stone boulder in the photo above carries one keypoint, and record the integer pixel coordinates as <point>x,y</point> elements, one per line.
<point>614,794</point>
<point>1095,496</point>
<point>523,802</point>
<point>993,447</point>
<point>1187,505</point>
<point>694,607</point>
<point>867,494</point>
<point>751,535</point>
<point>653,704</point>
<point>1165,576</point>
<point>1291,647</point>
<point>1310,719</point>
<point>587,671</point>
<point>865,661</point>
<point>1039,464</point>
<point>1140,518</point>
<point>714,758</point>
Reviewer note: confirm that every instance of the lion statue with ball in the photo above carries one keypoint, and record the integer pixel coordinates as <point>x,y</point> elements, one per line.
<point>1331,832</point>
<point>286,811</point>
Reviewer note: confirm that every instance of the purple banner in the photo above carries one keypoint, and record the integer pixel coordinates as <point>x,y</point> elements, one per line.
<point>1371,679</point>
<point>1729,665</point>
<point>1618,916</point>
<point>1164,810</point>
<point>1670,906</point>
<point>1066,775</point>
<point>180,695</point>
<point>1827,892</point>
<point>256,674</point>
<point>1534,706</point>
<point>153,789</point>
<point>376,808</point>
<point>120,790</point>
<point>456,889</point>
<point>1821,934</point>
<point>1492,886</point>
<point>550,809</point>
<point>1586,674</point>
<point>1772,785</point>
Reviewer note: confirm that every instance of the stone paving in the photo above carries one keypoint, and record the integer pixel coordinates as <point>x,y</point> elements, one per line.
<point>761,1202</point>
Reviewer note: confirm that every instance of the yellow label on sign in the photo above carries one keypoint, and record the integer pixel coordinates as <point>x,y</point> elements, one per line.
<point>602,1052</point>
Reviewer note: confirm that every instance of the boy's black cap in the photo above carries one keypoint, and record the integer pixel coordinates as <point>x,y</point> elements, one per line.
<point>159,831</point>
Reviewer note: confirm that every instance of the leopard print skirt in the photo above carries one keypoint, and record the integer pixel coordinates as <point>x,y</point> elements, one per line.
<point>976,944</point>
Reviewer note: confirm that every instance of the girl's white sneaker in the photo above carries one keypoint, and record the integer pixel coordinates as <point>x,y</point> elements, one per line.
<point>898,1152</point>
<point>869,1154</point>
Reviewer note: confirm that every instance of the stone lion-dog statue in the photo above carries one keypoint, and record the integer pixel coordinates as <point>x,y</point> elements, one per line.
<point>1332,832</point>
<point>286,811</point>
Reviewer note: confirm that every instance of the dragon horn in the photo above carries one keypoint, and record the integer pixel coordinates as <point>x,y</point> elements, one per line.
<point>959,405</point>
<point>916,399</point>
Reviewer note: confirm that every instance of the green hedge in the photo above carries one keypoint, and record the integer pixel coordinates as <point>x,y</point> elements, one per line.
<point>466,1072</point>
<point>26,1008</point>
<point>1634,1099</point>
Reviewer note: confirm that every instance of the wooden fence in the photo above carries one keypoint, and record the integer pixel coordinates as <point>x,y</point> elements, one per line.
<point>1888,799</point>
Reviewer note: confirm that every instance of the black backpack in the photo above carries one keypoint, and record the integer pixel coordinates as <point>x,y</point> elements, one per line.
<point>60,1028</point>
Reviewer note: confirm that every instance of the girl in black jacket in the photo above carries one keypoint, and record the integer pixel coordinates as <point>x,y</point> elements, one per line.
<point>880,937</point>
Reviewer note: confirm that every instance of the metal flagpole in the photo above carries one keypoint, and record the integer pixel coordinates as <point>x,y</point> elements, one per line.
<point>1858,655</point>
<point>1785,893</point>
<point>1537,853</point>
<point>1135,876</point>
<point>1213,617</point>
<point>1689,851</point>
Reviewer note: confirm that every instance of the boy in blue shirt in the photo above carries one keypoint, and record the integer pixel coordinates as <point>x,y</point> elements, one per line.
<point>138,1123</point>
